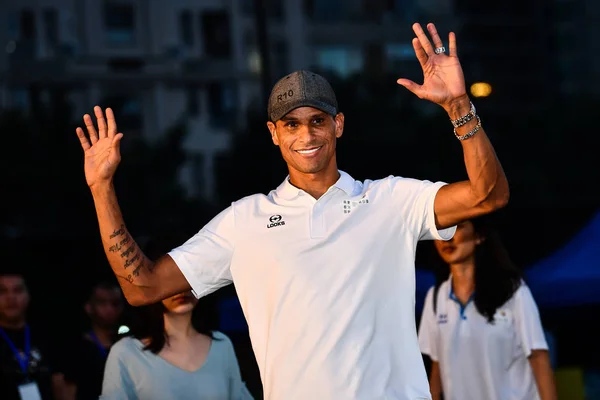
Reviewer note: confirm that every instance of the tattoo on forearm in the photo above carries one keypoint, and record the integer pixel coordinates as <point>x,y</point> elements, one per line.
<point>118,246</point>
<point>132,260</point>
<point>127,252</point>
<point>114,248</point>
<point>136,271</point>
<point>132,248</point>
<point>117,232</point>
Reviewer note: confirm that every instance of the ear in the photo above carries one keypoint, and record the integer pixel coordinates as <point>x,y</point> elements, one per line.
<point>88,308</point>
<point>339,125</point>
<point>273,130</point>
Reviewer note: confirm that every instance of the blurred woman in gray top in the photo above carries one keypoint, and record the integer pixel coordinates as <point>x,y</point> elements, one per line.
<point>173,355</point>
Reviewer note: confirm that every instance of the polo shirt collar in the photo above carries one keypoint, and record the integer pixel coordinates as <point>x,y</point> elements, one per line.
<point>287,191</point>
<point>453,297</point>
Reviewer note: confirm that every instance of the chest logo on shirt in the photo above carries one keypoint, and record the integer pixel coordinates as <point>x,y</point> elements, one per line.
<point>442,318</point>
<point>350,205</point>
<point>275,220</point>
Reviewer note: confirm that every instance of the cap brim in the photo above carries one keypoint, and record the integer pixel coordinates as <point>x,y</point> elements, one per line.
<point>328,108</point>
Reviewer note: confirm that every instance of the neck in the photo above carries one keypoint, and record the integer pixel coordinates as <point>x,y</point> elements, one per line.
<point>104,335</point>
<point>179,326</point>
<point>463,277</point>
<point>17,323</point>
<point>315,184</point>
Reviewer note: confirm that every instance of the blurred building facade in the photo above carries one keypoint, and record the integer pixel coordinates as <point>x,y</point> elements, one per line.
<point>157,63</point>
<point>534,52</point>
<point>198,62</point>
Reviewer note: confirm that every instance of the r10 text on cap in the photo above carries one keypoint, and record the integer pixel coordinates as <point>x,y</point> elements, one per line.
<point>285,95</point>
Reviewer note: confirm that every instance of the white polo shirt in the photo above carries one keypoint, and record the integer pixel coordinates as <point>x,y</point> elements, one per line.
<point>327,286</point>
<point>479,360</point>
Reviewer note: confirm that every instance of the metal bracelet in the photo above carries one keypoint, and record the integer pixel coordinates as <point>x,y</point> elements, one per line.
<point>465,118</point>
<point>472,132</point>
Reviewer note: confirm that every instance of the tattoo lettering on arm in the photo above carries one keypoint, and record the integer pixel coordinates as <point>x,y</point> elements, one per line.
<point>136,271</point>
<point>127,252</point>
<point>132,260</point>
<point>117,232</point>
<point>114,248</point>
<point>118,246</point>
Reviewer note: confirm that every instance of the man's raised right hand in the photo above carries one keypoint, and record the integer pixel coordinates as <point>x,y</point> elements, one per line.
<point>102,149</point>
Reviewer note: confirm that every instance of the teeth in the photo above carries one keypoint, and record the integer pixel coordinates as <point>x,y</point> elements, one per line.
<point>308,151</point>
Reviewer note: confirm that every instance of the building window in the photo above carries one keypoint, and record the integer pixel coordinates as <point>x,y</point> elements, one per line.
<point>279,58</point>
<point>128,112</point>
<point>272,8</point>
<point>216,34</point>
<point>126,64</point>
<point>20,99</point>
<point>186,29</point>
<point>400,10</point>
<point>221,103</point>
<point>326,10</point>
<point>192,101</point>
<point>247,7</point>
<point>50,17</point>
<point>119,23</point>
<point>27,25</point>
<point>13,24</point>
<point>199,173</point>
<point>334,10</point>
<point>341,60</point>
<point>398,53</point>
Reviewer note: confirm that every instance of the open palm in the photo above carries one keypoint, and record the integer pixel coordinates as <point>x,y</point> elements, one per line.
<point>443,79</point>
<point>102,149</point>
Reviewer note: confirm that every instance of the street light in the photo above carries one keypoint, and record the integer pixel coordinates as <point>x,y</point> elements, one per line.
<point>481,89</point>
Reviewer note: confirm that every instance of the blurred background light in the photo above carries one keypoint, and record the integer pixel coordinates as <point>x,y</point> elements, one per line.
<point>481,89</point>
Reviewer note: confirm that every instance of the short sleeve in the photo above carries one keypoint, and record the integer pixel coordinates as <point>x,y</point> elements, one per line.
<point>415,199</point>
<point>205,258</point>
<point>117,383</point>
<point>428,328</point>
<point>527,321</point>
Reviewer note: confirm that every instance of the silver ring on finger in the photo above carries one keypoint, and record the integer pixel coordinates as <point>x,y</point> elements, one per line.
<point>440,50</point>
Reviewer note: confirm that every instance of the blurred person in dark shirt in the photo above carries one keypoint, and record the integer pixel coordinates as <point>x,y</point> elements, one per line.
<point>84,368</point>
<point>26,367</point>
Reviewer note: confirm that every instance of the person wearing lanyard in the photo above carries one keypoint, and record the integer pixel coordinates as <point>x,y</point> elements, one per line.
<point>84,368</point>
<point>481,327</point>
<point>25,368</point>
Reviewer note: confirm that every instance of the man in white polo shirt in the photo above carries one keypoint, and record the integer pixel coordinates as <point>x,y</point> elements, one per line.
<point>324,264</point>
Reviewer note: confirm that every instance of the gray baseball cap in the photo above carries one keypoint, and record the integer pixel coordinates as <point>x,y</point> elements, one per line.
<point>301,89</point>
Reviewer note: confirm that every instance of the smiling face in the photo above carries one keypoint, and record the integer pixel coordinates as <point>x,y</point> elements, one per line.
<point>307,139</point>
